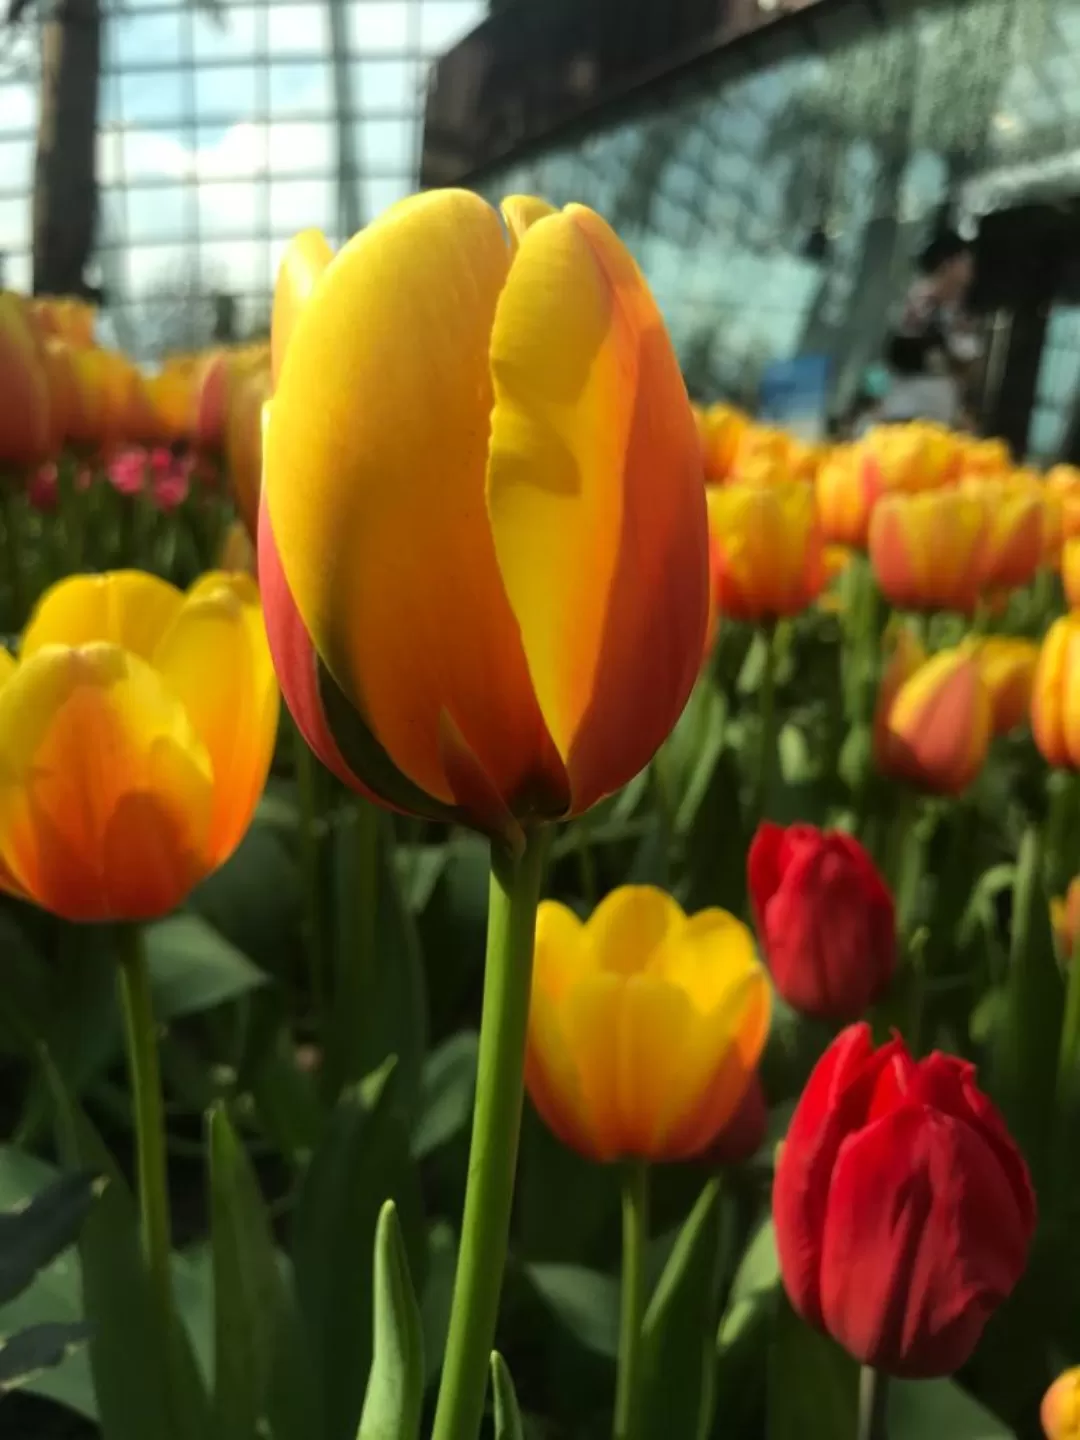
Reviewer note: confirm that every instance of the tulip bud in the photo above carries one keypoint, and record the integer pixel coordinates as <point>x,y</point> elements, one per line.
<point>1055,694</point>
<point>844,502</point>
<point>645,1026</point>
<point>936,731</point>
<point>1065,918</point>
<point>1013,543</point>
<point>825,919</point>
<point>769,549</point>
<point>1060,1410</point>
<point>722,430</point>
<point>903,1210</point>
<point>927,550</point>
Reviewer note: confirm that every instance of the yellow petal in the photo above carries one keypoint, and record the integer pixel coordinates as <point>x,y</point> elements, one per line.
<point>521,211</point>
<point>307,256</point>
<point>628,930</point>
<point>216,661</point>
<point>105,789</point>
<point>123,607</point>
<point>375,458</point>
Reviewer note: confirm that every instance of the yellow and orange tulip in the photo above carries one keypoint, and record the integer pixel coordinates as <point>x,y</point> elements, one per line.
<point>1008,669</point>
<point>645,1026</point>
<point>722,428</point>
<point>769,551</point>
<point>844,501</point>
<point>1014,539</point>
<point>907,459</point>
<point>26,424</point>
<point>137,727</point>
<point>1065,919</point>
<point>483,542</point>
<point>934,728</point>
<point>1055,696</point>
<point>928,550</point>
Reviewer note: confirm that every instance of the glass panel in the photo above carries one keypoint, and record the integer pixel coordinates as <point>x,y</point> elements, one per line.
<point>299,147</point>
<point>14,225</point>
<point>297,204</point>
<point>161,212</point>
<point>233,36</point>
<point>16,164</point>
<point>154,268</point>
<point>230,208</point>
<point>231,150</point>
<point>300,89</point>
<point>238,267</point>
<point>147,99</point>
<point>444,22</point>
<point>153,154</point>
<point>145,39</point>
<point>386,145</point>
<point>298,30</point>
<point>380,193</point>
<point>227,93</point>
<point>16,271</point>
<point>385,85</point>
<point>18,108</point>
<point>379,25</point>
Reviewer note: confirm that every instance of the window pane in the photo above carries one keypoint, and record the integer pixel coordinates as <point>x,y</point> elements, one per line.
<point>15,271</point>
<point>298,30</point>
<point>385,85</point>
<point>146,99</point>
<point>18,109</point>
<point>236,266</point>
<point>382,192</point>
<point>232,150</point>
<point>386,145</point>
<point>153,154</point>
<point>444,22</point>
<point>376,25</point>
<point>229,208</point>
<point>226,94</point>
<point>160,212</point>
<point>145,39</point>
<point>153,268</point>
<point>14,224</point>
<point>233,36</point>
<point>299,147</point>
<point>16,164</point>
<point>298,204</point>
<point>300,89</point>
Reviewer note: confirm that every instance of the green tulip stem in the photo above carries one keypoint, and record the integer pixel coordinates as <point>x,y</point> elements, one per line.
<point>635,1234</point>
<point>144,1069</point>
<point>10,501</point>
<point>767,709</point>
<point>489,1189</point>
<point>357,963</point>
<point>873,1404</point>
<point>1068,1079</point>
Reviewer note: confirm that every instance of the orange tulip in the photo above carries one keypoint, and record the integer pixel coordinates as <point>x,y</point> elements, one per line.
<point>1070,571</point>
<point>137,728</point>
<point>645,1025</point>
<point>907,458</point>
<point>1055,696</point>
<point>1065,918</point>
<point>935,732</point>
<point>1060,1411</point>
<point>1063,481</point>
<point>905,655</point>
<point>1013,548</point>
<point>26,425</point>
<point>483,541</point>
<point>1008,670</point>
<point>244,442</point>
<point>928,550</point>
<point>770,557</point>
<point>985,458</point>
<point>171,398</point>
<point>844,502</point>
<point>722,430</point>
<point>210,401</point>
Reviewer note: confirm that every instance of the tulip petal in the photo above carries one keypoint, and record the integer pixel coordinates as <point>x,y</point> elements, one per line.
<point>128,608</point>
<point>216,661</point>
<point>628,930</point>
<point>521,211</point>
<point>106,791</point>
<point>306,257</point>
<point>375,459</point>
<point>595,494</point>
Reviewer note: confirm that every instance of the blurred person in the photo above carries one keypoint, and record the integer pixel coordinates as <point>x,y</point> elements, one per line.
<point>932,345</point>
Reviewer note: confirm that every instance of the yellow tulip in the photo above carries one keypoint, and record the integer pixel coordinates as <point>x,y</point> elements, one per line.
<point>1007,666</point>
<point>646,1025</point>
<point>1060,1412</point>
<point>136,730</point>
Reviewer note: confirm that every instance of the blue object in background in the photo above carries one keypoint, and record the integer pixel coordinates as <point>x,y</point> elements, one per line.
<point>795,395</point>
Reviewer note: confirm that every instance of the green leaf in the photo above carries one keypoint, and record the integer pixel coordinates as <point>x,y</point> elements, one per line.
<point>921,1408</point>
<point>1025,1041</point>
<point>255,901</point>
<point>507,1415</point>
<point>54,1297</point>
<point>813,1390</point>
<point>193,968</point>
<point>585,1301</point>
<point>35,1233</point>
<point>145,1383</point>
<point>395,1390</point>
<point>438,1294</point>
<point>446,1093</point>
<point>678,1349</point>
<point>27,1354</point>
<point>251,1302</point>
<point>362,1160</point>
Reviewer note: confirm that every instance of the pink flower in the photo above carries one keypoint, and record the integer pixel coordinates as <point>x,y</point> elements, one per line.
<point>43,490</point>
<point>171,490</point>
<point>127,472</point>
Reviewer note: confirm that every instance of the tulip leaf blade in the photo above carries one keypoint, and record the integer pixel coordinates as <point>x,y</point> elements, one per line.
<point>678,1351</point>
<point>34,1235</point>
<point>508,1424</point>
<point>361,1161</point>
<point>813,1385</point>
<point>918,1408</point>
<point>194,968</point>
<point>255,1362</point>
<point>394,1399</point>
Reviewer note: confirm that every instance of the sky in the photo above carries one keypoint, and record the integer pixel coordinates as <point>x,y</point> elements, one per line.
<point>229,149</point>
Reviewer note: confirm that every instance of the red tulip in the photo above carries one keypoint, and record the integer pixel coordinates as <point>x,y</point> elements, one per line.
<point>903,1209</point>
<point>825,919</point>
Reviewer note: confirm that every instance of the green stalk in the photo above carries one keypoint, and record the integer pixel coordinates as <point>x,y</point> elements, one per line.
<point>767,708</point>
<point>140,1033</point>
<point>873,1404</point>
<point>355,963</point>
<point>489,1190</point>
<point>13,550</point>
<point>1068,1078</point>
<point>635,1234</point>
<point>306,778</point>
